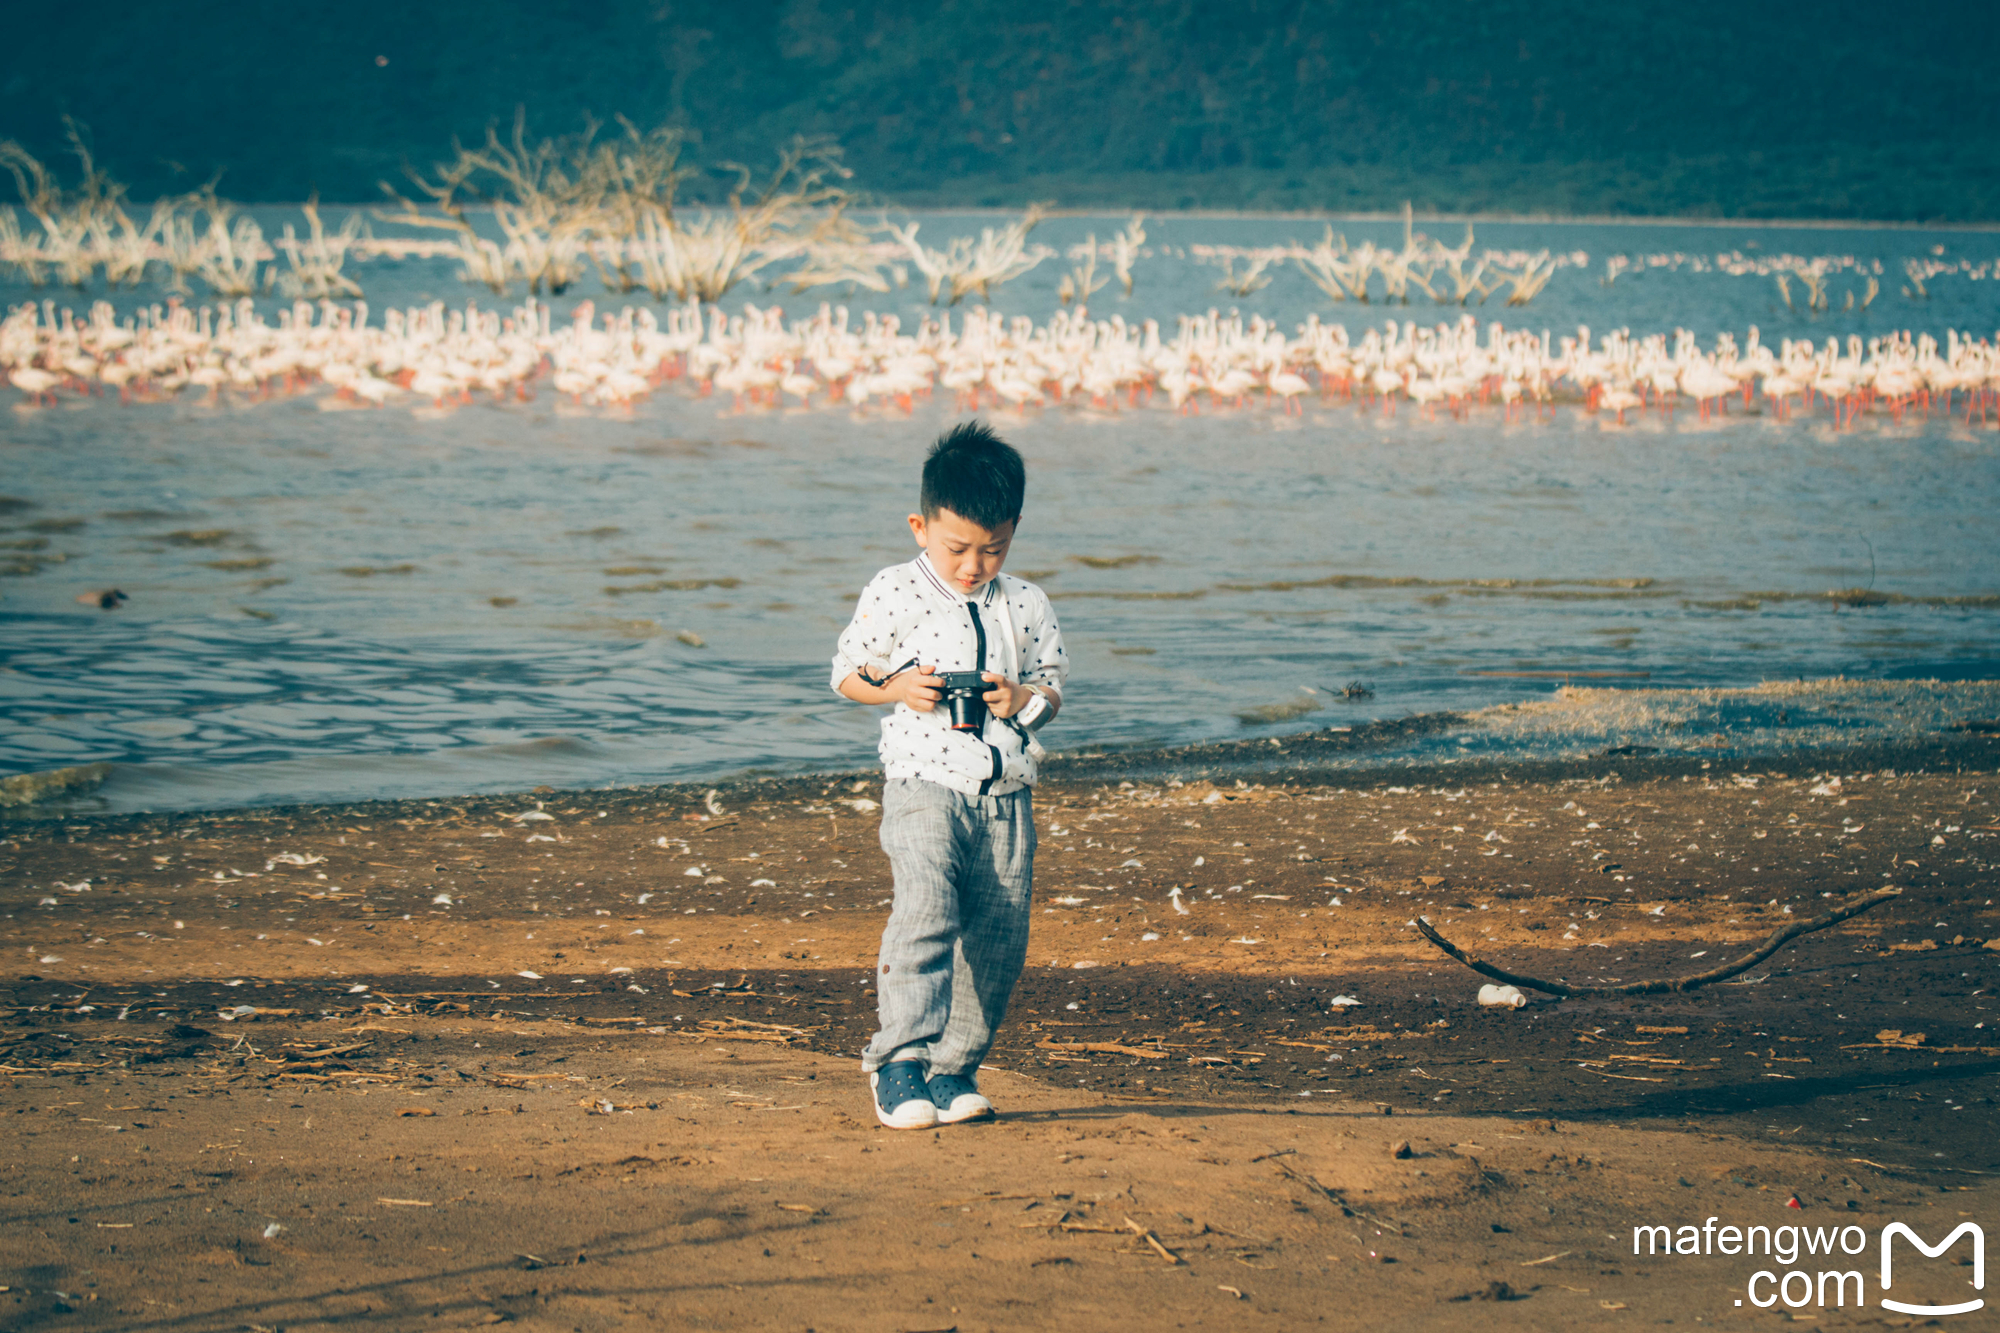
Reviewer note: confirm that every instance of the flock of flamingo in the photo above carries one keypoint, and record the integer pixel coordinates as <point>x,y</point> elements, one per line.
<point>450,357</point>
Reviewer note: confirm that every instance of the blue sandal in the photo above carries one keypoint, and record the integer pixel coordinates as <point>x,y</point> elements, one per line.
<point>901,1099</point>
<point>958,1099</point>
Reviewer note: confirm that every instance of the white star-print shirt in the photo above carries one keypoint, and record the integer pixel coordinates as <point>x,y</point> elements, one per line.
<point>906,617</point>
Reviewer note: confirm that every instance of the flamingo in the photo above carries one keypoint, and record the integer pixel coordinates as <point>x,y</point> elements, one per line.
<point>1289,386</point>
<point>1388,383</point>
<point>1619,401</point>
<point>37,384</point>
<point>798,385</point>
<point>1426,392</point>
<point>617,358</point>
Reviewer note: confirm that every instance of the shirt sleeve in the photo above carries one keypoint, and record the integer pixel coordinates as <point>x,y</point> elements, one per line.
<point>870,636</point>
<point>1043,661</point>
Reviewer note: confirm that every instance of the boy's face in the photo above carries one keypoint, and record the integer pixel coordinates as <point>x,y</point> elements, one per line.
<point>964,554</point>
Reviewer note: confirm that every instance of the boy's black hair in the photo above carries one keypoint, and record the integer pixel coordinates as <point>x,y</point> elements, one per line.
<point>976,475</point>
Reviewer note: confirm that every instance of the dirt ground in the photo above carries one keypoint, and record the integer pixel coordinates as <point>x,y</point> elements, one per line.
<point>586,1060</point>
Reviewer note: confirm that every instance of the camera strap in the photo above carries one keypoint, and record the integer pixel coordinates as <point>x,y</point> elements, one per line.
<point>979,664</point>
<point>1029,741</point>
<point>979,630</point>
<point>878,684</point>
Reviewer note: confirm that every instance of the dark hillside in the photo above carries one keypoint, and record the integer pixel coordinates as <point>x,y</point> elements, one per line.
<point>1848,108</point>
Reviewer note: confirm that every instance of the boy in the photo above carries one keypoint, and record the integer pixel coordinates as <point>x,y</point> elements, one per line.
<point>957,821</point>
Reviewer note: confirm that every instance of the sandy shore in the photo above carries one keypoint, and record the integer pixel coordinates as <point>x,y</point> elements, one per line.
<point>224,1022</point>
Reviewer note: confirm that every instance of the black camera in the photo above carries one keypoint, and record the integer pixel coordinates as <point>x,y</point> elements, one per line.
<point>964,694</point>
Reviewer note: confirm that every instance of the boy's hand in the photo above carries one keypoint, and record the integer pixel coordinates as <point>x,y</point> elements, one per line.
<point>918,688</point>
<point>1005,698</point>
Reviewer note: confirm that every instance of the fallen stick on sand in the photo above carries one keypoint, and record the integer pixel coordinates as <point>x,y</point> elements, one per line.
<point>1333,1197</point>
<point>1154,1241</point>
<point>1775,941</point>
<point>1106,1047</point>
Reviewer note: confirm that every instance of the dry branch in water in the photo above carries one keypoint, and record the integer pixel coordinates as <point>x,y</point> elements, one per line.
<point>967,266</point>
<point>1775,941</point>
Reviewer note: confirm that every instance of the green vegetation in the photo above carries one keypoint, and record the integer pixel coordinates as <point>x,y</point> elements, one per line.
<point>1852,108</point>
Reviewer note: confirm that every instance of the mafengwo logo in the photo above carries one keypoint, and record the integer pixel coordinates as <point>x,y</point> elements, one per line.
<point>1895,1229</point>
<point>1798,1287</point>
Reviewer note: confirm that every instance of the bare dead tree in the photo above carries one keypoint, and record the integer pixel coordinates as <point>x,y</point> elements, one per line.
<point>77,224</point>
<point>797,210</point>
<point>484,260</point>
<point>637,178</point>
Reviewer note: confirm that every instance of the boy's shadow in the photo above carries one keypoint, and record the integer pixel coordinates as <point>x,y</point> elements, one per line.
<point>1182,1110</point>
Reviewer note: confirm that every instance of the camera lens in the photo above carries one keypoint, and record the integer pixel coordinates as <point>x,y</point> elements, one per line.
<point>968,708</point>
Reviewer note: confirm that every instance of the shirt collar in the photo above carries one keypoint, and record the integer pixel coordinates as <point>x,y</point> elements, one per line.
<point>938,586</point>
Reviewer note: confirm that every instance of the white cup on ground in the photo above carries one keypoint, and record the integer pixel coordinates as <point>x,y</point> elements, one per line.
<point>1507,997</point>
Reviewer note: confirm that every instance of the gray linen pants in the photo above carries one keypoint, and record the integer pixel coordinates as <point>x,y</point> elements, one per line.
<point>958,933</point>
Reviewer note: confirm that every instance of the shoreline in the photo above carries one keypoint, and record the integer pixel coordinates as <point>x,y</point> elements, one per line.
<point>1634,734</point>
<point>1312,755</point>
<point>1363,215</point>
<point>666,907</point>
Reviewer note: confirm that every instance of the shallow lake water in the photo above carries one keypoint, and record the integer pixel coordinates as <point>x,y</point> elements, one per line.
<point>346,604</point>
